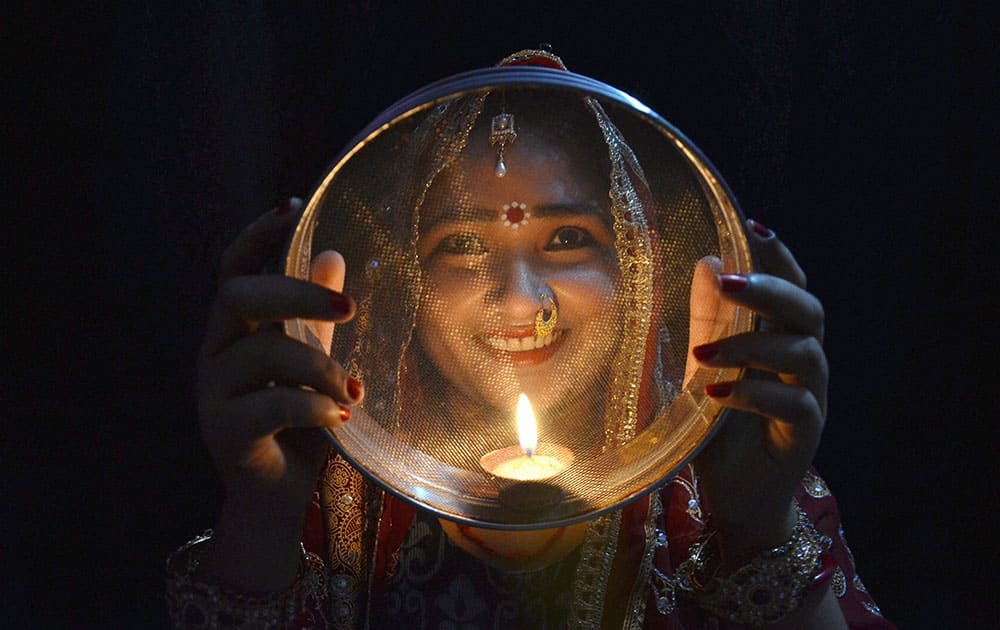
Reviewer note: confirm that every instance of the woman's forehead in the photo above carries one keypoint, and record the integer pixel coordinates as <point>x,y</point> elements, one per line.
<point>537,168</point>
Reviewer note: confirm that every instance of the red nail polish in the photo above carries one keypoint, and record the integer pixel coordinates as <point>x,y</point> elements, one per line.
<point>354,388</point>
<point>825,573</point>
<point>345,413</point>
<point>760,229</point>
<point>719,390</point>
<point>284,208</point>
<point>340,304</point>
<point>705,352</point>
<point>731,283</point>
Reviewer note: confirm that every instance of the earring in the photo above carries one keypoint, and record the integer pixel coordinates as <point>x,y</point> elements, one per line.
<point>545,318</point>
<point>502,134</point>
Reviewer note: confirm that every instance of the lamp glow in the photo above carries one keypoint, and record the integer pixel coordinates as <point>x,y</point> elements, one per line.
<point>530,461</point>
<point>527,427</point>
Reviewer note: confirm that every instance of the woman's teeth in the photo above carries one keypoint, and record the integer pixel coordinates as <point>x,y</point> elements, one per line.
<point>521,344</point>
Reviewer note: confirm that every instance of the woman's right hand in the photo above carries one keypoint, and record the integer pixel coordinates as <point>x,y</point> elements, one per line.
<point>262,396</point>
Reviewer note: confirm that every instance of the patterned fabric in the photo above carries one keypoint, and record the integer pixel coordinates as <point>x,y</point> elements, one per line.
<point>417,578</point>
<point>437,585</point>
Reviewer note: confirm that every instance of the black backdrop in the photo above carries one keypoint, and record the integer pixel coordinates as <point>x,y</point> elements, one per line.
<point>140,139</point>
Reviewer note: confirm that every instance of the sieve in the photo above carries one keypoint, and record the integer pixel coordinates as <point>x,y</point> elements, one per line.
<point>522,243</point>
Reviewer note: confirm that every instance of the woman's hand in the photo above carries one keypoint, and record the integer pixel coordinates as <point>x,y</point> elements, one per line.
<point>262,397</point>
<point>750,470</point>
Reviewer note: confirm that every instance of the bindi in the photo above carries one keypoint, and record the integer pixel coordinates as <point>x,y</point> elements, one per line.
<point>514,214</point>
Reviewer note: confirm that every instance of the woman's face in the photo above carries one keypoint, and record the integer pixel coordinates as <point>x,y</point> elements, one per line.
<point>495,250</point>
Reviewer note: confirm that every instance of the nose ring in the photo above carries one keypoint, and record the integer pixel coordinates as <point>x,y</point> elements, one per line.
<point>545,318</point>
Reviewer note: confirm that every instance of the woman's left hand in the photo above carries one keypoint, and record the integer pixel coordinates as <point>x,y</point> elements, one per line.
<point>750,471</point>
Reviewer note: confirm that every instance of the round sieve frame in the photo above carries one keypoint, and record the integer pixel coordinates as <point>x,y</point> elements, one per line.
<point>658,452</point>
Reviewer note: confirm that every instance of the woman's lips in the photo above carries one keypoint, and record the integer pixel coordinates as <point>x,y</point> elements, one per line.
<point>520,343</point>
<point>524,348</point>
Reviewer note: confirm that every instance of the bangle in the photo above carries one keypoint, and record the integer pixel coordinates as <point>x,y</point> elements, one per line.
<point>194,604</point>
<point>764,590</point>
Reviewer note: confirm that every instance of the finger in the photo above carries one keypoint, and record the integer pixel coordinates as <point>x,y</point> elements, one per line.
<point>310,443</point>
<point>267,411</point>
<point>245,301</point>
<point>273,357</point>
<point>784,304</point>
<point>260,242</point>
<point>774,257</point>
<point>328,270</point>
<point>793,416</point>
<point>796,359</point>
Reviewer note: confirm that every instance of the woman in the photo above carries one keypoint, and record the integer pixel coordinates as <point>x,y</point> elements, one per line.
<point>516,266</point>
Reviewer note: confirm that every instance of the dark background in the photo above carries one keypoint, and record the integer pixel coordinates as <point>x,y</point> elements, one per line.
<point>140,139</point>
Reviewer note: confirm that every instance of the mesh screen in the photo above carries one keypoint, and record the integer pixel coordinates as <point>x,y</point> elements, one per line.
<point>532,241</point>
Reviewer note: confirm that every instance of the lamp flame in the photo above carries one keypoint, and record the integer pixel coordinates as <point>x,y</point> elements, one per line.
<point>527,429</point>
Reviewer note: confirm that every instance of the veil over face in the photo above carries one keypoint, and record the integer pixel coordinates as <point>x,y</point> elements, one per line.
<point>474,258</point>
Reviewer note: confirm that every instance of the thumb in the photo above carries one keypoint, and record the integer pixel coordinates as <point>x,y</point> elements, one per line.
<point>705,308</point>
<point>328,269</point>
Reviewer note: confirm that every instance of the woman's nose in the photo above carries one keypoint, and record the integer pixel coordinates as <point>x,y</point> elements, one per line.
<point>518,289</point>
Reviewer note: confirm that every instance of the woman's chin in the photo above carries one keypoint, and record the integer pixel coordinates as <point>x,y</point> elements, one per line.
<point>516,550</point>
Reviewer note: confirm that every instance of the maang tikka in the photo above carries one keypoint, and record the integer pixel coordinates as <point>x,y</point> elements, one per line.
<point>502,134</point>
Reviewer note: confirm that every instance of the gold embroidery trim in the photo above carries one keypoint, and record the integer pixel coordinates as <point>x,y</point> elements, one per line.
<point>591,580</point>
<point>342,498</point>
<point>635,260</point>
<point>635,612</point>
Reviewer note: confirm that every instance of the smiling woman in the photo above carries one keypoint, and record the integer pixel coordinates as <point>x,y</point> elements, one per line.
<point>502,247</point>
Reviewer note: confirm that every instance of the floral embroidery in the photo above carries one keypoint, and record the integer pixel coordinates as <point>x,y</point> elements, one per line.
<point>691,487</point>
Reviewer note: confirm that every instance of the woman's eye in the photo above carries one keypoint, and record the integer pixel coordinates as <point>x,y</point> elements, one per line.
<point>464,243</point>
<point>570,238</point>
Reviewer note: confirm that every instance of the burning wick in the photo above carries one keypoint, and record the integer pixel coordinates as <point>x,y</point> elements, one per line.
<point>530,461</point>
<point>527,428</point>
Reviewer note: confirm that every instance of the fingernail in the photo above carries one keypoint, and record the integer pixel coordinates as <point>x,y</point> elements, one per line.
<point>825,573</point>
<point>284,208</point>
<point>719,390</point>
<point>340,304</point>
<point>731,283</point>
<point>759,229</point>
<point>354,388</point>
<point>345,413</point>
<point>705,352</point>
